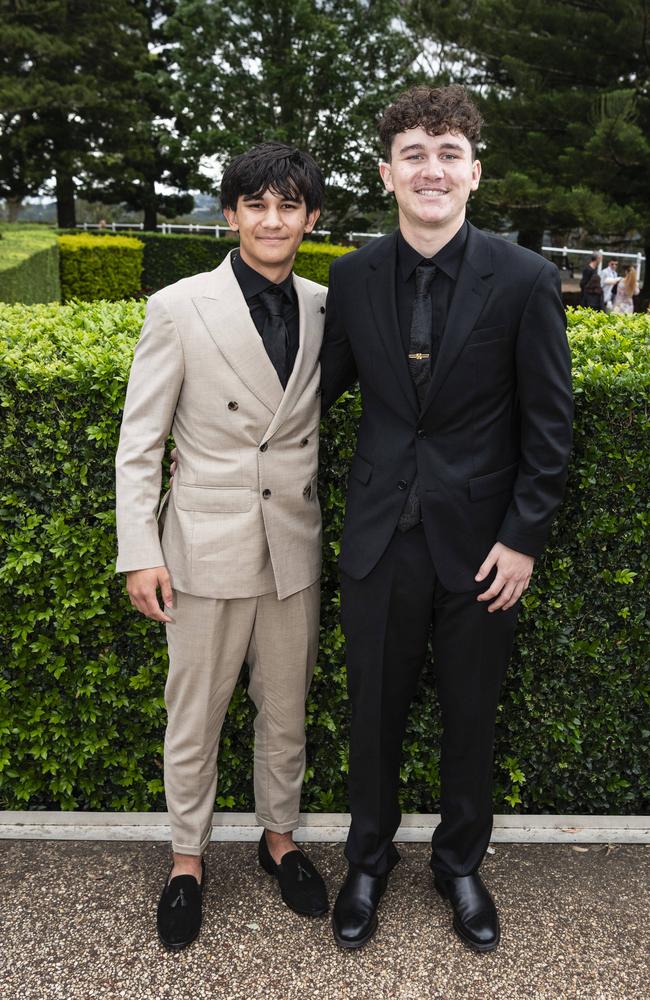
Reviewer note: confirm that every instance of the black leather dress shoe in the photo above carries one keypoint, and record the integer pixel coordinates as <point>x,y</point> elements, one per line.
<point>179,910</point>
<point>301,886</point>
<point>476,920</point>
<point>355,911</point>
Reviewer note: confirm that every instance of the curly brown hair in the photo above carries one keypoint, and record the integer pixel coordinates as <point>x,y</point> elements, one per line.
<point>436,110</point>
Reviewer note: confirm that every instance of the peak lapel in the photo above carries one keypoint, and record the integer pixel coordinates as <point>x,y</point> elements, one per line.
<point>311,322</point>
<point>471,293</point>
<point>381,293</point>
<point>228,321</point>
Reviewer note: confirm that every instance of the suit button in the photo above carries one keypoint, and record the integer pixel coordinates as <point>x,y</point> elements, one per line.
<point>264,446</point>
<point>266,494</point>
<point>322,309</point>
<point>233,406</point>
<point>318,391</point>
<point>421,433</point>
<point>307,491</point>
<point>402,484</point>
<point>304,442</point>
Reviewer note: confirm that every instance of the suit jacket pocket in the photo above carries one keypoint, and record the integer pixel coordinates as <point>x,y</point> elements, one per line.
<point>361,469</point>
<point>214,499</point>
<point>487,335</point>
<point>494,482</point>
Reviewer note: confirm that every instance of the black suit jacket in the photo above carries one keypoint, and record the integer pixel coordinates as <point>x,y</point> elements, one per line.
<point>491,445</point>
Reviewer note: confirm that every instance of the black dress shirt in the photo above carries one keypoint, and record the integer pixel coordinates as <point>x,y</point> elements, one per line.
<point>448,261</point>
<point>252,283</point>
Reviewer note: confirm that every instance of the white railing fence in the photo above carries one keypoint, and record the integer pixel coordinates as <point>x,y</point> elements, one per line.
<point>220,231</point>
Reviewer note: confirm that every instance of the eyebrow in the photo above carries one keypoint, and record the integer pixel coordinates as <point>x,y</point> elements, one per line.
<point>420,146</point>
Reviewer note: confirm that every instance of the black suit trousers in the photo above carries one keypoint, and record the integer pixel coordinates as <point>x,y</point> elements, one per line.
<point>388,617</point>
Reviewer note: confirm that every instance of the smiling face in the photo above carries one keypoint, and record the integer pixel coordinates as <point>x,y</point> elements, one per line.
<point>270,230</point>
<point>432,177</point>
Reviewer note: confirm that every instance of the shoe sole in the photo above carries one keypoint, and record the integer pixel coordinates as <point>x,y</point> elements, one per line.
<point>461,934</point>
<point>350,945</point>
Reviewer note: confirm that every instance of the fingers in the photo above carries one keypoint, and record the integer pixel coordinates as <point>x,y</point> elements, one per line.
<point>166,588</point>
<point>143,586</point>
<point>495,588</point>
<point>487,564</point>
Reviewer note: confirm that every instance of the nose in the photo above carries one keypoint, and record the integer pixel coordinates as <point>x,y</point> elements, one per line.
<point>272,218</point>
<point>433,169</point>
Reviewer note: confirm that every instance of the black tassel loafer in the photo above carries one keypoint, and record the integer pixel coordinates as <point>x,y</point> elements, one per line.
<point>476,920</point>
<point>301,886</point>
<point>179,910</point>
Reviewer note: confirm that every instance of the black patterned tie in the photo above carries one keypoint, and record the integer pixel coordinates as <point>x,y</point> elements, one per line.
<point>275,335</point>
<point>419,361</point>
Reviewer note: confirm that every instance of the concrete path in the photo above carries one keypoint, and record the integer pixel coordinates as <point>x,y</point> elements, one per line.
<point>78,923</point>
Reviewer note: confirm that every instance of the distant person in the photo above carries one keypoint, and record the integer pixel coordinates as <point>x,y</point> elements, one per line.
<point>609,277</point>
<point>102,224</point>
<point>627,288</point>
<point>592,290</point>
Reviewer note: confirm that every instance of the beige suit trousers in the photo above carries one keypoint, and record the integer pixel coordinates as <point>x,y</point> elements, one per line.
<point>209,640</point>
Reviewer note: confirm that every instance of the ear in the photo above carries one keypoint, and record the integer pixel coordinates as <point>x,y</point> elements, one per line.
<point>386,175</point>
<point>312,219</point>
<point>476,174</point>
<point>231,219</point>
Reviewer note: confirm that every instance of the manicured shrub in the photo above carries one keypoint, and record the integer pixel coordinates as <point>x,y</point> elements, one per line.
<point>29,264</point>
<point>100,267</point>
<point>168,258</point>
<point>82,675</point>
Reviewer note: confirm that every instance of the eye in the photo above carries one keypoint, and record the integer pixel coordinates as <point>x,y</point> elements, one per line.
<point>414,156</point>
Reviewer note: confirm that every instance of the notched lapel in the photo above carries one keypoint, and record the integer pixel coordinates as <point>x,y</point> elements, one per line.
<point>381,293</point>
<point>228,321</point>
<point>473,288</point>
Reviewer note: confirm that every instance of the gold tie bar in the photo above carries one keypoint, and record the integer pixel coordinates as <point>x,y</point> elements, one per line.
<point>419,357</point>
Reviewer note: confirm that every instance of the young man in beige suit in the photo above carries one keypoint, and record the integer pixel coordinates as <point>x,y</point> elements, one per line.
<point>228,363</point>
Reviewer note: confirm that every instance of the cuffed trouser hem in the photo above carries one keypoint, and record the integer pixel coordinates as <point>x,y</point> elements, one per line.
<point>192,848</point>
<point>277,827</point>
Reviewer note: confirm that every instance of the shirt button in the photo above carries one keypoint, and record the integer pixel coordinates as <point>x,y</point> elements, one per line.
<point>233,405</point>
<point>304,442</point>
<point>402,484</point>
<point>421,433</point>
<point>264,446</point>
<point>266,494</point>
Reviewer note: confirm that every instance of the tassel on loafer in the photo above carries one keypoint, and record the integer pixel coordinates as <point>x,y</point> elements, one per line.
<point>179,910</point>
<point>301,885</point>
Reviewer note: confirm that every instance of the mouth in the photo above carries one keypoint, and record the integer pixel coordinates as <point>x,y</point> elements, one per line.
<point>432,193</point>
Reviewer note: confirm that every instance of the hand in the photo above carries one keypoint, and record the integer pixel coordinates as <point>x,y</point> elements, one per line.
<point>514,570</point>
<point>142,585</point>
<point>174,465</point>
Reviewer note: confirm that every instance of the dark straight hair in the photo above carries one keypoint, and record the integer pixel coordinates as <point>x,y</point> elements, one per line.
<point>277,167</point>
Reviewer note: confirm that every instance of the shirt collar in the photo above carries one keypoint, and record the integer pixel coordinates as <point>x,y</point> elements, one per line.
<point>252,282</point>
<point>448,258</point>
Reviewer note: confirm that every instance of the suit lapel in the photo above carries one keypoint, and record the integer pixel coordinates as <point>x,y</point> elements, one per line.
<point>381,293</point>
<point>470,296</point>
<point>226,316</point>
<point>311,321</point>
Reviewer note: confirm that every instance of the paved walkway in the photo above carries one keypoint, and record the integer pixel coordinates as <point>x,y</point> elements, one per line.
<point>77,923</point>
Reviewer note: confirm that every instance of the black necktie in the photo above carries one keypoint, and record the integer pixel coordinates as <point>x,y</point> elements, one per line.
<point>275,335</point>
<point>419,361</point>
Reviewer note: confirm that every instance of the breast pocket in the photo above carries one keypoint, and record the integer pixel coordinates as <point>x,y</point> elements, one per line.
<point>487,335</point>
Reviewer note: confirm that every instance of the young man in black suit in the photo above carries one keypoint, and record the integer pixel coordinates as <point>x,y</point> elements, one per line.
<point>458,341</point>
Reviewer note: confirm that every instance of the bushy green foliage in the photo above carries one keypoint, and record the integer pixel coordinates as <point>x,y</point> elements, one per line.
<point>170,257</point>
<point>81,675</point>
<point>98,267</point>
<point>29,264</point>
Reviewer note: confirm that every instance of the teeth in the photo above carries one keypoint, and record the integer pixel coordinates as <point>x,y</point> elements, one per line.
<point>432,193</point>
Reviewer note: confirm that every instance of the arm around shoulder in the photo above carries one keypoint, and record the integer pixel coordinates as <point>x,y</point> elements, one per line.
<point>338,367</point>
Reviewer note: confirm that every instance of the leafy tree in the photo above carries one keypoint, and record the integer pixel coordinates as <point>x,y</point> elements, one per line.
<point>314,73</point>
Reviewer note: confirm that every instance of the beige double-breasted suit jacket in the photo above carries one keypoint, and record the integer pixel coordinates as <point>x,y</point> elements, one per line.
<point>242,518</point>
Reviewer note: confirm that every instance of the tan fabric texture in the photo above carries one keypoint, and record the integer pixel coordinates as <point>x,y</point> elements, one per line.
<point>243,517</point>
<point>208,641</point>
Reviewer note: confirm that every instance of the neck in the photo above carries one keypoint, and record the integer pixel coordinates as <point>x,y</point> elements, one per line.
<point>429,239</point>
<point>273,272</point>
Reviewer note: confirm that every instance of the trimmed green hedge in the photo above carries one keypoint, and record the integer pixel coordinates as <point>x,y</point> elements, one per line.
<point>169,257</point>
<point>93,267</point>
<point>81,681</point>
<point>29,265</point>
